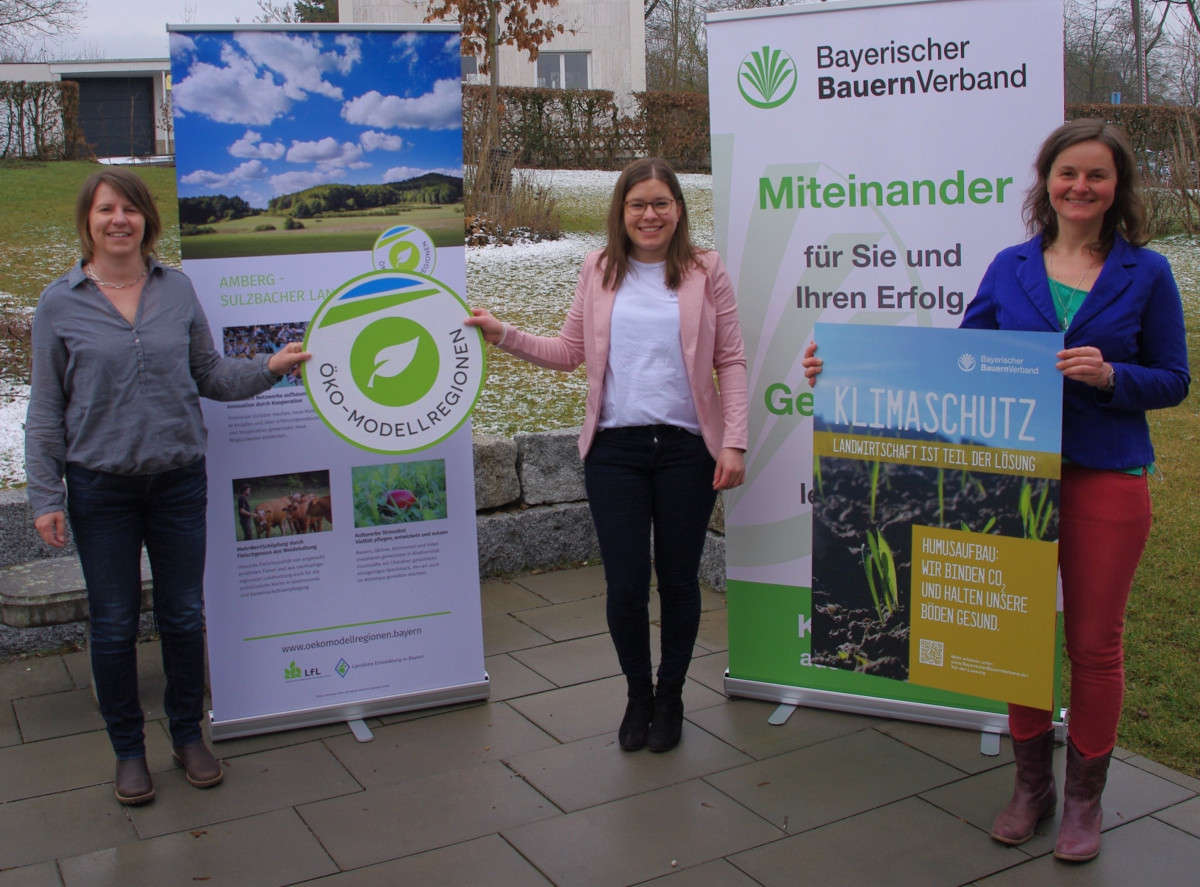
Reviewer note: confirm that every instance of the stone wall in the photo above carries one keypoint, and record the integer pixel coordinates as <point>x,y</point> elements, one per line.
<point>531,507</point>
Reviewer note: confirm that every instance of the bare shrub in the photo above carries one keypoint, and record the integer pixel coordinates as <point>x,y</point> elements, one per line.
<point>16,349</point>
<point>1185,174</point>
<point>503,204</point>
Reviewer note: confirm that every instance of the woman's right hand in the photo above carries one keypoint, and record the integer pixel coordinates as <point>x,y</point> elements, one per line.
<point>52,528</point>
<point>812,364</point>
<point>492,329</point>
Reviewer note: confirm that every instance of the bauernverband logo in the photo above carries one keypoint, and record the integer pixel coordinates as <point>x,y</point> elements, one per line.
<point>396,371</point>
<point>404,248</point>
<point>966,362</point>
<point>767,78</point>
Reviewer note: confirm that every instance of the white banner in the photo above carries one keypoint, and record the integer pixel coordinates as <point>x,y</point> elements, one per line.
<point>320,186</point>
<point>869,160</point>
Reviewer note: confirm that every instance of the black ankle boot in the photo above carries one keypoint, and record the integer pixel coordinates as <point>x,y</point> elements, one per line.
<point>635,726</point>
<point>666,724</point>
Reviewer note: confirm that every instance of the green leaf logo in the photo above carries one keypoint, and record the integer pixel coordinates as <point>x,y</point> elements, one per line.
<point>394,362</point>
<point>292,671</point>
<point>767,78</point>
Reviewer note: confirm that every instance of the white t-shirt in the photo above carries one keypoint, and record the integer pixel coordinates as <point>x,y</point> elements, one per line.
<point>646,381</point>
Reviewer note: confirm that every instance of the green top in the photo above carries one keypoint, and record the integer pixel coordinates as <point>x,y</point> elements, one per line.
<point>1066,301</point>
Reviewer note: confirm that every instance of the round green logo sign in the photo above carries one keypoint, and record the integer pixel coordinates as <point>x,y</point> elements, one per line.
<point>404,248</point>
<point>393,370</point>
<point>767,78</point>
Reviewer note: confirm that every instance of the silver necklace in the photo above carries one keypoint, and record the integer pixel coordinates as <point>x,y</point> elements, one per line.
<point>1082,277</point>
<point>87,269</point>
<point>1064,307</point>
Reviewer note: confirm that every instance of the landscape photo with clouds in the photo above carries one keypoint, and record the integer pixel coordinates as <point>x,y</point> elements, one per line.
<point>309,141</point>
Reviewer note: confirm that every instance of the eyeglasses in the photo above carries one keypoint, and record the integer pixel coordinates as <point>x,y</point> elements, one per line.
<point>638,207</point>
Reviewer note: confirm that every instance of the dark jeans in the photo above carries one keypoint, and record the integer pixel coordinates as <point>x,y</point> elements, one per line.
<point>112,516</point>
<point>659,477</point>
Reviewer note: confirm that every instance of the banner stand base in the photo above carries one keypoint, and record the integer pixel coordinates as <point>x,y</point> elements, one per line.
<point>477,691</point>
<point>989,743</point>
<point>360,730</point>
<point>780,716</point>
<point>945,716</point>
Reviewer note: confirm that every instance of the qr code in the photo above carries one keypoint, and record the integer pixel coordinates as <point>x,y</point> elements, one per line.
<point>931,652</point>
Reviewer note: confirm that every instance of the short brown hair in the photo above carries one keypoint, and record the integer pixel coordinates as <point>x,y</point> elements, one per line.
<point>1126,216</point>
<point>681,254</point>
<point>130,186</point>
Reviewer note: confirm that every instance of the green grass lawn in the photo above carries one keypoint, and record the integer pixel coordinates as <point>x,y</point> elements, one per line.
<point>1161,717</point>
<point>327,234</point>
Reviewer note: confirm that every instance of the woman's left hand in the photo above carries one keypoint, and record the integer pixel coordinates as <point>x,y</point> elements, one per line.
<point>287,358</point>
<point>1086,365</point>
<point>731,469</point>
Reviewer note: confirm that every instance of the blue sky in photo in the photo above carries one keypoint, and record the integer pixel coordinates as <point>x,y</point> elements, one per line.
<point>261,113</point>
<point>943,361</point>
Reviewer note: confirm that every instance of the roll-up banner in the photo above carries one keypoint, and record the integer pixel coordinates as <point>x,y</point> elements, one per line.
<point>320,201</point>
<point>869,160</point>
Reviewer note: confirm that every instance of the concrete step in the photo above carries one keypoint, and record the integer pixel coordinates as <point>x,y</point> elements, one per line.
<point>51,591</point>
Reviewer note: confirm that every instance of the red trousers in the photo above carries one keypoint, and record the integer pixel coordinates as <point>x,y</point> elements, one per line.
<point>1104,524</point>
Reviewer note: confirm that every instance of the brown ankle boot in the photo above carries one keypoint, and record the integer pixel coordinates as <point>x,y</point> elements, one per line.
<point>1079,831</point>
<point>1033,797</point>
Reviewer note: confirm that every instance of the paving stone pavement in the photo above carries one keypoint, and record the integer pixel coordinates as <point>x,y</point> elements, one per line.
<point>532,789</point>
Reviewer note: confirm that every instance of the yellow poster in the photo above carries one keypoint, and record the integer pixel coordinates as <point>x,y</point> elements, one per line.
<point>981,622</point>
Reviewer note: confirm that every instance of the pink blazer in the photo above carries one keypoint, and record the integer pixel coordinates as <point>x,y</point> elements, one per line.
<point>708,329</point>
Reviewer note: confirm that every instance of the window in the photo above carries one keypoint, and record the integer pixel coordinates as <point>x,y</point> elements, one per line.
<point>470,68</point>
<point>562,70</point>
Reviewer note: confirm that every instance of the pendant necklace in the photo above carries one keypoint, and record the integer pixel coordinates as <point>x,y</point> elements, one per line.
<point>1062,306</point>
<point>91,275</point>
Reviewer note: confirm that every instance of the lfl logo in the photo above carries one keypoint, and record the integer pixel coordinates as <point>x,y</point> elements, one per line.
<point>294,672</point>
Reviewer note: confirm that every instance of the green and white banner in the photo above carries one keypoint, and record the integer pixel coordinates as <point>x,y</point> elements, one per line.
<point>320,200</point>
<point>870,157</point>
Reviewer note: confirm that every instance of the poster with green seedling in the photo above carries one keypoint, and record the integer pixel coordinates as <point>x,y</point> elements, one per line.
<point>935,518</point>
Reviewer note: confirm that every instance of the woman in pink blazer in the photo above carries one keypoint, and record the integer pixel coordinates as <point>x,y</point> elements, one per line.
<point>653,318</point>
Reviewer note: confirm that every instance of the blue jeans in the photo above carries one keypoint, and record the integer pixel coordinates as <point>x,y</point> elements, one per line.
<point>660,477</point>
<point>112,516</point>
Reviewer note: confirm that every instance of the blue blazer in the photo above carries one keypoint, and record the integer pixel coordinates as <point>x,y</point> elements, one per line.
<point>1132,314</point>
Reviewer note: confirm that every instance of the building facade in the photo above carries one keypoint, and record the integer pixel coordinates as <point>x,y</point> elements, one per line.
<point>121,102</point>
<point>606,51</point>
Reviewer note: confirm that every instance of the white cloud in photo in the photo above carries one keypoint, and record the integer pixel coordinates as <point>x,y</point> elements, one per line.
<point>251,170</point>
<point>299,61</point>
<point>404,173</point>
<point>406,48</point>
<point>373,140</point>
<point>439,109</point>
<point>352,54</point>
<point>181,44</point>
<point>236,93</point>
<point>453,46</point>
<point>327,151</point>
<point>252,145</point>
<point>244,89</point>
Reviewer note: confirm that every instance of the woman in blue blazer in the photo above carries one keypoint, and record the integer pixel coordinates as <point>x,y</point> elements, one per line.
<point>1086,272</point>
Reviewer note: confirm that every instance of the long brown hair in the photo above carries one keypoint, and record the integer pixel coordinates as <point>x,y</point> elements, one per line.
<point>681,254</point>
<point>1126,216</point>
<point>130,186</point>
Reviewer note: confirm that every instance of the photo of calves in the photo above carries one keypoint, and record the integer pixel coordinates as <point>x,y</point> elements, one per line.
<point>282,505</point>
